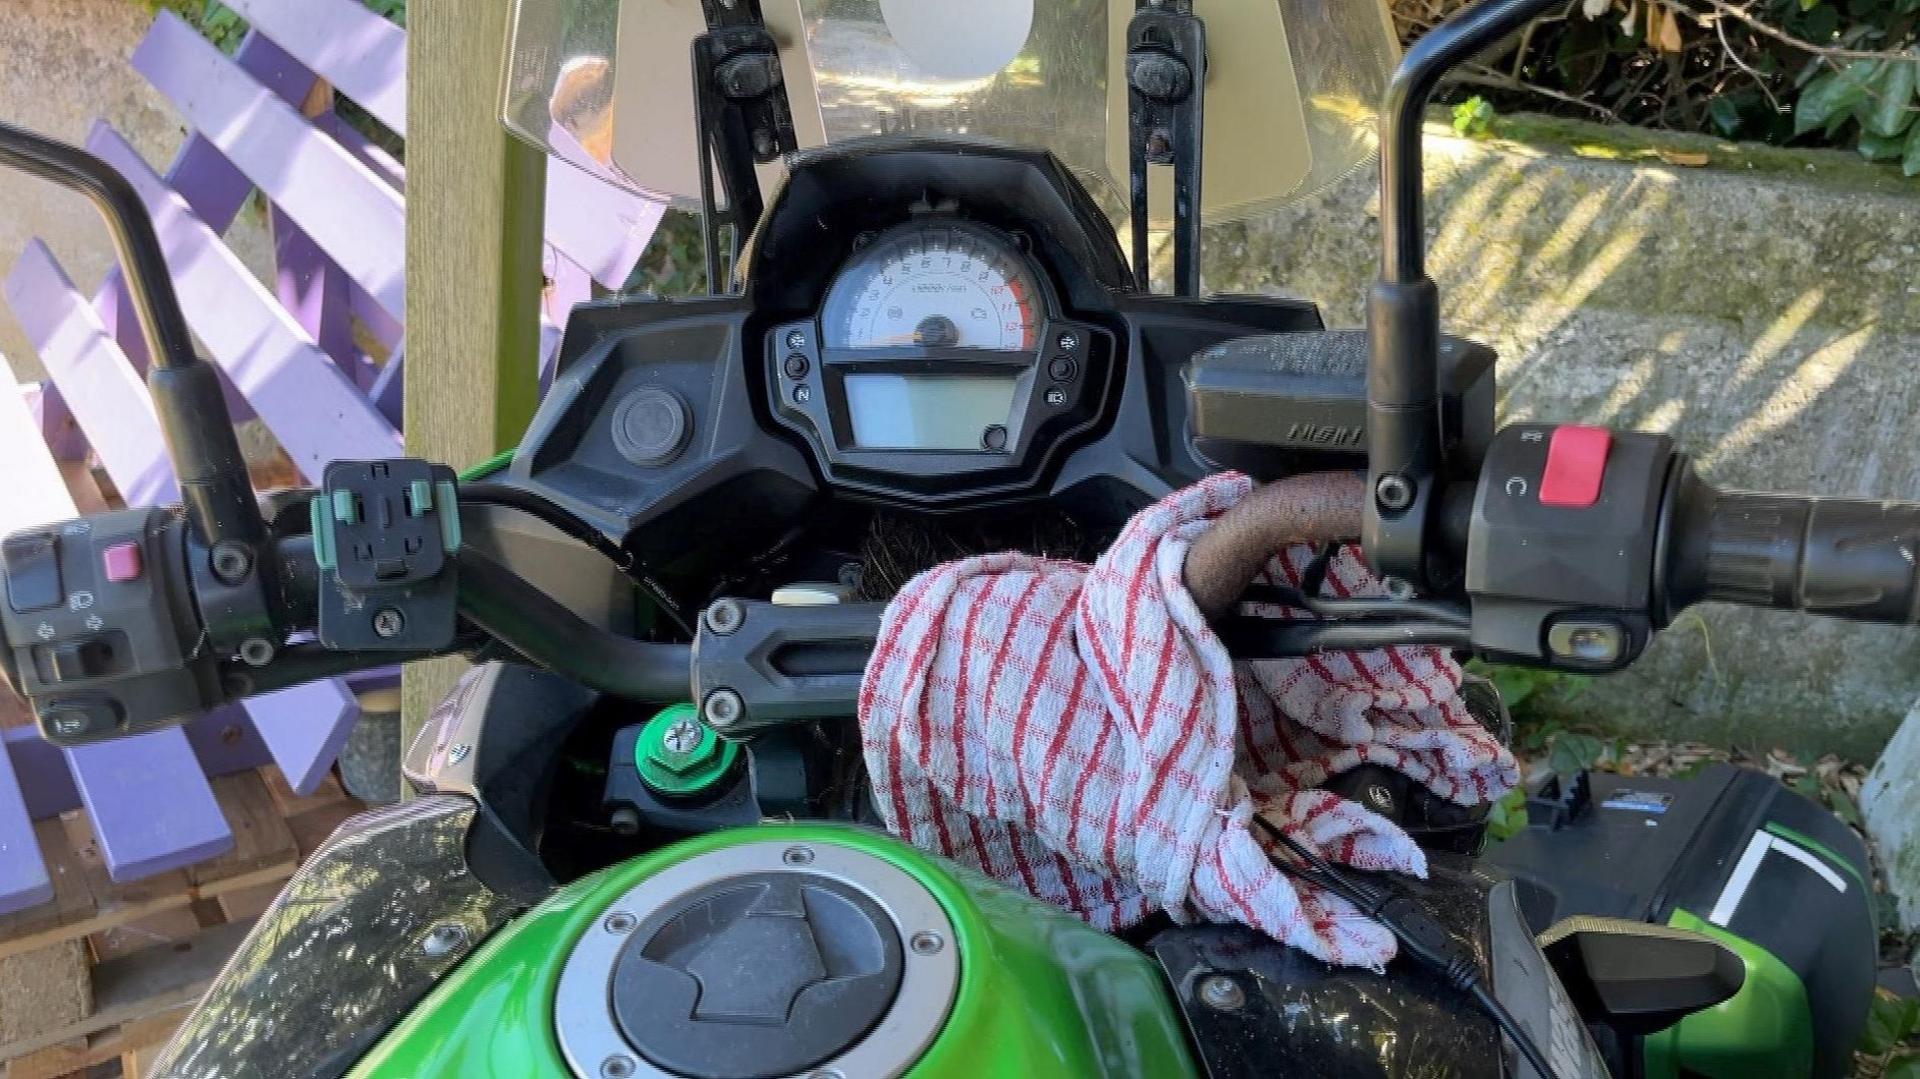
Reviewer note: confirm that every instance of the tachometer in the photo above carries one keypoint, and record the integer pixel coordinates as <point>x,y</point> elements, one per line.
<point>929,285</point>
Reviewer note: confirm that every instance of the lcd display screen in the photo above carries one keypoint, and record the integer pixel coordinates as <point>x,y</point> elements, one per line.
<point>928,412</point>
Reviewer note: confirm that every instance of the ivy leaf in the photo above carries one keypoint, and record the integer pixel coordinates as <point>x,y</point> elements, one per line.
<point>1726,115</point>
<point>1889,1022</point>
<point>1911,163</point>
<point>1880,148</point>
<point>1572,753</point>
<point>1828,98</point>
<point>1892,110</point>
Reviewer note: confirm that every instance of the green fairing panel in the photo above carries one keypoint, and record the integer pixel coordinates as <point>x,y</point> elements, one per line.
<point>1040,992</point>
<point>1762,1033</point>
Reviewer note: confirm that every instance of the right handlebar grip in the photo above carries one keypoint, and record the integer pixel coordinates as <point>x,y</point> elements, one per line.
<point>1844,558</point>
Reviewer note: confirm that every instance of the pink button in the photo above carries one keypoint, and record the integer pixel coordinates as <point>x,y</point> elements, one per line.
<point>1576,465</point>
<point>123,562</point>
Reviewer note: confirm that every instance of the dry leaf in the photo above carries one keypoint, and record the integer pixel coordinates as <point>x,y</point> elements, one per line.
<point>1663,29</point>
<point>1689,158</point>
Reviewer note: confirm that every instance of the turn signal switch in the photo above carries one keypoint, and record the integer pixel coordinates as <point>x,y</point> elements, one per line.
<point>101,631</point>
<point>1561,547</point>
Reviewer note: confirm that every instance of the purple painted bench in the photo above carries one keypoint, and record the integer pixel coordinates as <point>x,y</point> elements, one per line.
<point>262,121</point>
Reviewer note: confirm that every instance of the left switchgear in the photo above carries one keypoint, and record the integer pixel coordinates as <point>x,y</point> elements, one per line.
<point>101,634</point>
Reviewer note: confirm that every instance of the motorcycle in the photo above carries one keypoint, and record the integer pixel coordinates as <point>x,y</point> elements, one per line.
<point>642,841</point>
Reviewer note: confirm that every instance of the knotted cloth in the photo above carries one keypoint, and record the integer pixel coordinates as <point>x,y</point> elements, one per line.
<point>1080,733</point>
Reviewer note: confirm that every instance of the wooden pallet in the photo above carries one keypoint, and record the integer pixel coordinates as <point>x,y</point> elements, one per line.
<point>105,972</point>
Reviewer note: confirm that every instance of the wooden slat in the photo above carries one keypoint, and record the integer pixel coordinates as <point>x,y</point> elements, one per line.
<point>212,187</point>
<point>23,876</point>
<point>304,726</point>
<point>151,807</point>
<point>351,213</point>
<point>261,837</point>
<point>144,986</point>
<point>117,781</point>
<point>110,401</point>
<point>73,908</point>
<point>168,927</point>
<point>360,53</point>
<point>145,1036</point>
<point>316,413</point>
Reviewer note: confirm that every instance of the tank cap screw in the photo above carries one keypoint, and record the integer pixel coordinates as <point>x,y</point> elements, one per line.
<point>1223,993</point>
<point>616,1067</point>
<point>797,856</point>
<point>444,939</point>
<point>925,943</point>
<point>618,923</point>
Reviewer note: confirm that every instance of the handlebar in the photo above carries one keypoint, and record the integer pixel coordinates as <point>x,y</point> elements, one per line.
<point>106,619</point>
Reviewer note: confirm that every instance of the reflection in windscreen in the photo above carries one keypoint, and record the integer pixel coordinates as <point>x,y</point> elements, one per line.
<point>926,412</point>
<point>1053,94</point>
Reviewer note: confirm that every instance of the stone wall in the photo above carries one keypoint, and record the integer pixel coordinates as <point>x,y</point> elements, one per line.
<point>1765,309</point>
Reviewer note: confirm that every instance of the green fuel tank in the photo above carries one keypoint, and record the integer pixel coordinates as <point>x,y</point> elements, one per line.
<point>818,950</point>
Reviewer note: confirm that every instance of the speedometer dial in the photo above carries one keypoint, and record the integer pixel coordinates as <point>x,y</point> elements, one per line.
<point>934,286</point>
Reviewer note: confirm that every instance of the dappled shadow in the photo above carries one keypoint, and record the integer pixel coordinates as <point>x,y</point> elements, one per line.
<point>1762,320</point>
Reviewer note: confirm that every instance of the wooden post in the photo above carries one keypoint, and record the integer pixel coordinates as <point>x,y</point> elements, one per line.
<point>474,198</point>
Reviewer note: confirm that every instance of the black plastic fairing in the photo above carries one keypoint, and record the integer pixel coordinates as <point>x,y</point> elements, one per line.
<point>834,194</point>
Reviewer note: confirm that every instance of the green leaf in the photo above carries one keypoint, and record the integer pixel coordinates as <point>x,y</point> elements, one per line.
<point>1573,753</point>
<point>1806,786</point>
<point>1843,804</point>
<point>1892,107</point>
<point>1910,164</point>
<point>1889,1022</point>
<point>1904,1066</point>
<point>1829,99</point>
<point>1508,815</point>
<point>1879,148</point>
<point>1726,115</point>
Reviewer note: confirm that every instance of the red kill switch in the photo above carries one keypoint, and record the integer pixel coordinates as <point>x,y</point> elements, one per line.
<point>1576,462</point>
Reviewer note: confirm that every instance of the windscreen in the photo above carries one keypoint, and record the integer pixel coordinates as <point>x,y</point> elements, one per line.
<point>1291,91</point>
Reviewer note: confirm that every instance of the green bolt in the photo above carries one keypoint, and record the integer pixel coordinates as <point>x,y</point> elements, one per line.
<point>677,755</point>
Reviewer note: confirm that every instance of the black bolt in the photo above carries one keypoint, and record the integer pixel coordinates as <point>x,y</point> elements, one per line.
<point>994,438</point>
<point>795,366</point>
<point>1159,75</point>
<point>1394,492</point>
<point>388,622</point>
<point>726,616</point>
<point>1062,369</point>
<point>232,561</point>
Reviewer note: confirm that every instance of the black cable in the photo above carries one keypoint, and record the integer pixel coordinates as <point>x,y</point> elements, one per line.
<point>1421,936</point>
<point>1505,1021</point>
<point>542,629</point>
<point>550,512</point>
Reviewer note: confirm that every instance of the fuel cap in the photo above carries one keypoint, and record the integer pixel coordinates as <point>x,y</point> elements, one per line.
<point>761,958</point>
<point>763,975</point>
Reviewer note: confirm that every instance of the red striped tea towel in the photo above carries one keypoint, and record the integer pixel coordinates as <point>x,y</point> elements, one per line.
<point>1080,733</point>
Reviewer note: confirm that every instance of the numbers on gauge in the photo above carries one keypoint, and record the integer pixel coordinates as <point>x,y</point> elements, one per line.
<point>934,286</point>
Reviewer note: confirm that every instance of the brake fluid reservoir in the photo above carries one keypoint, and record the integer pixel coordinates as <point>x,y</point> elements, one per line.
<point>793,949</point>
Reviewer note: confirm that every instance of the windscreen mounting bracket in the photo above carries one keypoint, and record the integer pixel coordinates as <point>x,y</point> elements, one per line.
<point>741,118</point>
<point>1166,91</point>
